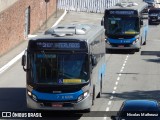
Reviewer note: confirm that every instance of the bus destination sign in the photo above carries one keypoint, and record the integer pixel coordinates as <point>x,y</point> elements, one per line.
<point>57,45</point>
<point>122,12</point>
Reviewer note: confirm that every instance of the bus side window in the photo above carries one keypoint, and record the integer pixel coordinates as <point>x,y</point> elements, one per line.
<point>93,60</point>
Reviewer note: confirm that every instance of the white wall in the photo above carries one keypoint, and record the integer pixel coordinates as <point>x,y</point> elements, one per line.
<point>6,3</point>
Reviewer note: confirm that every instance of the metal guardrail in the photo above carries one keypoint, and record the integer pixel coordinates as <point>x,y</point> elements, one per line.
<point>96,6</point>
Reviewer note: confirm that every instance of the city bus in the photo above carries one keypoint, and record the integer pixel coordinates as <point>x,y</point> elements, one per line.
<point>125,26</point>
<point>65,67</point>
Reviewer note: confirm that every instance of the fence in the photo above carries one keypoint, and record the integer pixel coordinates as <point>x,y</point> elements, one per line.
<point>96,6</point>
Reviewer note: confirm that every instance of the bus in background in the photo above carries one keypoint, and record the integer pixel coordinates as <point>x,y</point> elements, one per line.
<point>65,67</point>
<point>124,26</point>
<point>154,16</point>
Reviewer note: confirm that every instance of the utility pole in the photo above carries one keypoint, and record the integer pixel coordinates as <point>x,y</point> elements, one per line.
<point>46,11</point>
<point>56,7</point>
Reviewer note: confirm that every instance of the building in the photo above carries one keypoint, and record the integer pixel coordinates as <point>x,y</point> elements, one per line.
<point>20,18</point>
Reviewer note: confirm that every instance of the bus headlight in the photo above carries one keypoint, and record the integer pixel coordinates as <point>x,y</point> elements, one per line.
<point>134,42</point>
<point>83,96</point>
<point>29,93</point>
<point>32,96</point>
<point>107,41</point>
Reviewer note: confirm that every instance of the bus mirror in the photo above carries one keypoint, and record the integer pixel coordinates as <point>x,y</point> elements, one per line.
<point>94,60</point>
<point>141,22</point>
<point>102,22</point>
<point>24,62</point>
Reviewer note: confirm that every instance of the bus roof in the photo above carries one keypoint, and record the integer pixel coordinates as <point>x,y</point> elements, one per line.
<point>83,32</point>
<point>138,5</point>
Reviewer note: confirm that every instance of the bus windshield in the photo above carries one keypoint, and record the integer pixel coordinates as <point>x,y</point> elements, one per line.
<point>123,26</point>
<point>154,12</point>
<point>56,69</point>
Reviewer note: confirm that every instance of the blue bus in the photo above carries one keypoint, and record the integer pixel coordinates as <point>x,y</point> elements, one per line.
<point>125,27</point>
<point>65,67</point>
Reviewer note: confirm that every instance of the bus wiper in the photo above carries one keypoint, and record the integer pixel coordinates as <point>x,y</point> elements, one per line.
<point>50,64</point>
<point>61,72</point>
<point>65,75</point>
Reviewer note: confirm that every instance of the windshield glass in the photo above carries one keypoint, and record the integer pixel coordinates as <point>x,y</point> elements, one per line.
<point>123,26</point>
<point>50,68</point>
<point>154,11</point>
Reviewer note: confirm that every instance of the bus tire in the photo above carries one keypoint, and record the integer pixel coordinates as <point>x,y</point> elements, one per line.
<point>87,110</point>
<point>93,95</point>
<point>137,50</point>
<point>145,40</point>
<point>100,92</point>
<point>107,50</point>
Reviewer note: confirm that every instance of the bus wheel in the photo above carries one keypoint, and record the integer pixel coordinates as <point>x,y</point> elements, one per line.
<point>145,40</point>
<point>144,43</point>
<point>87,110</point>
<point>93,95</point>
<point>100,92</point>
<point>137,50</point>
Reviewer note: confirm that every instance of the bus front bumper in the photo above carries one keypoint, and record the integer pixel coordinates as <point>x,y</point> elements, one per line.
<point>126,47</point>
<point>82,105</point>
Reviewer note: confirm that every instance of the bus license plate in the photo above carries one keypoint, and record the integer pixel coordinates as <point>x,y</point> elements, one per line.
<point>121,46</point>
<point>57,105</point>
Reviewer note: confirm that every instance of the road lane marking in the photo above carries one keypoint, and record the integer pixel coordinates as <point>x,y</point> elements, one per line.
<point>116,83</point>
<point>59,20</point>
<point>10,63</point>
<point>109,103</point>
<point>115,86</point>
<point>111,97</point>
<point>107,109</point>
<point>15,59</point>
<point>122,68</point>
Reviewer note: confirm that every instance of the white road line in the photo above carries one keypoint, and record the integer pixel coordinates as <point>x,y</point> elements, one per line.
<point>59,20</point>
<point>107,109</point>
<point>109,103</point>
<point>111,98</point>
<point>116,83</point>
<point>118,78</point>
<point>122,68</point>
<point>14,60</point>
<point>115,87</point>
<point>10,63</point>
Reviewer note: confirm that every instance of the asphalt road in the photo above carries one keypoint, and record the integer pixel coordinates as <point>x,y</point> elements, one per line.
<point>128,76</point>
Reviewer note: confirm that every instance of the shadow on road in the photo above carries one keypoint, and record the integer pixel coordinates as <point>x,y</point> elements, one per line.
<point>120,51</point>
<point>154,95</point>
<point>157,60</point>
<point>14,100</point>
